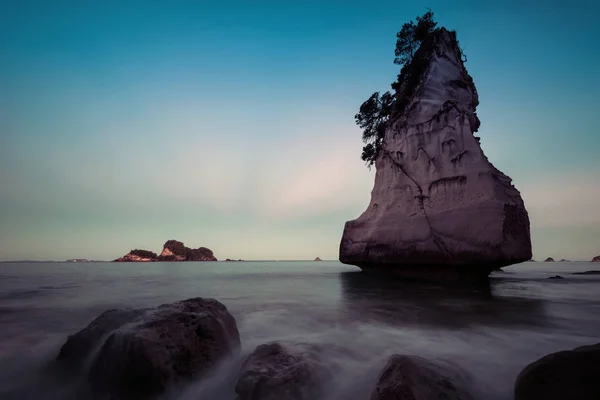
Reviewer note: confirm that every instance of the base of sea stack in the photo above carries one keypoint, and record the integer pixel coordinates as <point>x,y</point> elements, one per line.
<point>446,273</point>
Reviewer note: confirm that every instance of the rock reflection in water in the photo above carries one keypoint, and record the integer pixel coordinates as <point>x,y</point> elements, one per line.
<point>386,300</point>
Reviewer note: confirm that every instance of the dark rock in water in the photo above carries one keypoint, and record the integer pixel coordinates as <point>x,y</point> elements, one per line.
<point>549,259</point>
<point>138,256</point>
<point>415,378</point>
<point>498,270</point>
<point>573,374</point>
<point>564,260</point>
<point>556,277</point>
<point>136,354</point>
<point>174,250</point>
<point>282,372</point>
<point>596,259</point>
<point>439,209</point>
<point>593,272</point>
<point>318,259</point>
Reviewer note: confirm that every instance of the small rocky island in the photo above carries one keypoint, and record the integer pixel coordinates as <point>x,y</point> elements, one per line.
<point>439,209</point>
<point>173,250</point>
<point>549,259</point>
<point>596,259</point>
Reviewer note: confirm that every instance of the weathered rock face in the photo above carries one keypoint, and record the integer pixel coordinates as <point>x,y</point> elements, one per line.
<point>174,250</point>
<point>571,374</point>
<point>282,372</point>
<point>135,354</point>
<point>415,378</point>
<point>438,208</point>
<point>138,256</point>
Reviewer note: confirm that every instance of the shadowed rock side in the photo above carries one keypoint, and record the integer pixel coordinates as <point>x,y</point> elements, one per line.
<point>415,378</point>
<point>282,372</point>
<point>136,354</point>
<point>439,208</point>
<point>573,374</point>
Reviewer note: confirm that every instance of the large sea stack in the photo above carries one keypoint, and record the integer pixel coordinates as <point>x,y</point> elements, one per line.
<point>439,209</point>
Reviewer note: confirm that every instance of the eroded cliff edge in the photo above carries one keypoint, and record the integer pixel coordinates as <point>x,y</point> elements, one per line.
<point>438,207</point>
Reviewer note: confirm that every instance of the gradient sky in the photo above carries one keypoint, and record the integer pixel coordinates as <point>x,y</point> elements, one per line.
<point>230,124</point>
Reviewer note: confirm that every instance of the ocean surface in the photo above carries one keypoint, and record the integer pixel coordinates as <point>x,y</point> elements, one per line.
<point>490,332</point>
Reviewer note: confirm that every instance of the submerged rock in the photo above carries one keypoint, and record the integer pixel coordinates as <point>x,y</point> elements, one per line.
<point>415,378</point>
<point>592,272</point>
<point>137,353</point>
<point>138,256</point>
<point>573,374</point>
<point>282,372</point>
<point>438,208</point>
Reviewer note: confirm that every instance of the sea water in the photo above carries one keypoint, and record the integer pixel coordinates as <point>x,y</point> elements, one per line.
<point>491,332</point>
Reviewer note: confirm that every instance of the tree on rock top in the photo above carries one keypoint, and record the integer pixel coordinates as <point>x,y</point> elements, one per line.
<point>375,112</point>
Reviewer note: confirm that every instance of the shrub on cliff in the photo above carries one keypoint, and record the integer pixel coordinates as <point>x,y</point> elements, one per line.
<point>376,111</point>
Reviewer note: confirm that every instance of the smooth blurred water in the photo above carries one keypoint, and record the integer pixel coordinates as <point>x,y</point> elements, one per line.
<point>491,332</point>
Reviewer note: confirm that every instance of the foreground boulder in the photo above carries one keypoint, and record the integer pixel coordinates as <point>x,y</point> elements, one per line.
<point>135,354</point>
<point>282,372</point>
<point>415,378</point>
<point>573,374</point>
<point>439,208</point>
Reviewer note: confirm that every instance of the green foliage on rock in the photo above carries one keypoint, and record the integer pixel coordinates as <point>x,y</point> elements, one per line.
<point>375,113</point>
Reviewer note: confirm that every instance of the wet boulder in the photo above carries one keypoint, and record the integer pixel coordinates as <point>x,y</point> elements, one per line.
<point>572,374</point>
<point>282,372</point>
<point>415,378</point>
<point>136,354</point>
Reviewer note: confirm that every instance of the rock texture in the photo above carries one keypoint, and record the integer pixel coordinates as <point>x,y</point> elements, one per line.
<point>138,256</point>
<point>438,208</point>
<point>596,259</point>
<point>282,372</point>
<point>173,250</point>
<point>415,378</point>
<point>573,374</point>
<point>136,354</point>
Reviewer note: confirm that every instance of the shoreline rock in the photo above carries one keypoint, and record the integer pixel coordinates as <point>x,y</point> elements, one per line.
<point>275,371</point>
<point>138,353</point>
<point>571,374</point>
<point>439,209</point>
<point>414,377</point>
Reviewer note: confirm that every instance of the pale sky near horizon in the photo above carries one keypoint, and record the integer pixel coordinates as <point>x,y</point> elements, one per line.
<point>230,125</point>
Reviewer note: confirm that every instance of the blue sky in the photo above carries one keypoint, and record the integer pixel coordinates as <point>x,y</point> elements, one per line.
<point>230,124</point>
